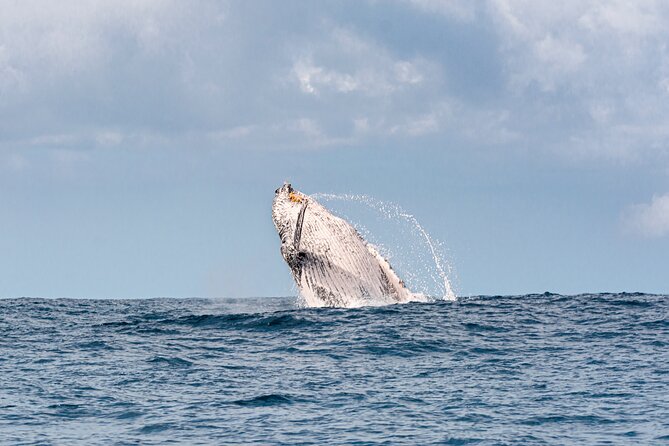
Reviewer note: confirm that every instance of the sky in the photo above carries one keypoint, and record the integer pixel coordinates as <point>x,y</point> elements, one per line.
<point>141,141</point>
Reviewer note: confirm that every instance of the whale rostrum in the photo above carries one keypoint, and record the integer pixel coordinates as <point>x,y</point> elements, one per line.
<point>332,265</point>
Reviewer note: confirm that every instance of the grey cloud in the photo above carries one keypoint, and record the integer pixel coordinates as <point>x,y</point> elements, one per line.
<point>584,80</point>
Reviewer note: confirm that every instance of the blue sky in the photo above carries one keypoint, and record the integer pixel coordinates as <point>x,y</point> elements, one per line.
<point>141,142</point>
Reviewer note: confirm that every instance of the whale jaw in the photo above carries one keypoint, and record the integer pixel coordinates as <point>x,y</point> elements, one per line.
<point>332,265</point>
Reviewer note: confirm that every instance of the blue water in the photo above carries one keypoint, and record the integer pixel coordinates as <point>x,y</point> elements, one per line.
<point>536,369</point>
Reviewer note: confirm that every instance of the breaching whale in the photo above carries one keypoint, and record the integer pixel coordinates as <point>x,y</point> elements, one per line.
<point>332,265</point>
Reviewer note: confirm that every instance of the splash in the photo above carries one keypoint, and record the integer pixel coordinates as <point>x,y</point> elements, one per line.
<point>440,270</point>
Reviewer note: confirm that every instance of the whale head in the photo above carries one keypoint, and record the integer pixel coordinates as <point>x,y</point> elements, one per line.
<point>286,209</point>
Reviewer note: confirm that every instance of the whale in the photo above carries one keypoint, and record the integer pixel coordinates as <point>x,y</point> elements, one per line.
<point>330,262</point>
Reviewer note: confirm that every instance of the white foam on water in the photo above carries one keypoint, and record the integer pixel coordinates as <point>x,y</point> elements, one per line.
<point>441,269</point>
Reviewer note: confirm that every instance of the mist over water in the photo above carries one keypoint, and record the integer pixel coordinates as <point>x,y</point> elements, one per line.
<point>416,256</point>
<point>525,370</point>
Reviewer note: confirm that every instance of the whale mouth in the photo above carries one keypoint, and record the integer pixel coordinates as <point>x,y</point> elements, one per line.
<point>293,195</point>
<point>286,187</point>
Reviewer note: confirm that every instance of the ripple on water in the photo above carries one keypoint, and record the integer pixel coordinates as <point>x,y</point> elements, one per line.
<point>171,361</point>
<point>265,400</point>
<point>517,370</point>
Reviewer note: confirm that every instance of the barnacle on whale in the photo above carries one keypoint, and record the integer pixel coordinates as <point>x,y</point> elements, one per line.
<point>295,198</point>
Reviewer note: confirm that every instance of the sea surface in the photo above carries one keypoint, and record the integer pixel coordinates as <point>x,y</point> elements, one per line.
<point>487,370</point>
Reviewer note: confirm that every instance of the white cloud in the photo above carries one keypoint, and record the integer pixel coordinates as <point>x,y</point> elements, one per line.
<point>407,73</point>
<point>346,62</point>
<point>574,41</point>
<point>464,10</point>
<point>11,77</point>
<point>108,138</point>
<point>561,55</point>
<point>54,140</point>
<point>312,78</point>
<point>541,40</point>
<point>447,118</point>
<point>237,132</point>
<point>640,18</point>
<point>584,79</point>
<point>368,79</point>
<point>311,135</point>
<point>649,219</point>
<point>608,61</point>
<point>68,37</point>
<point>422,125</point>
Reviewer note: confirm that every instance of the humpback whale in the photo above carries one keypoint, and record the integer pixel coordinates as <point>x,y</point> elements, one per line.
<point>332,265</point>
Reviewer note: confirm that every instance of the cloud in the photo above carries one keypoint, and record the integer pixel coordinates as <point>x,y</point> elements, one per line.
<point>605,62</point>
<point>346,62</point>
<point>583,80</point>
<point>464,10</point>
<point>649,219</point>
<point>389,77</point>
<point>71,38</point>
<point>579,43</point>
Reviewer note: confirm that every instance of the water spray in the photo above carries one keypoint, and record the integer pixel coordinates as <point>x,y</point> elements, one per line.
<point>391,210</point>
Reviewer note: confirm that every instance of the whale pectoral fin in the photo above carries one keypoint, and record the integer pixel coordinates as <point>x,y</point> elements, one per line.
<point>396,286</point>
<point>298,226</point>
<point>294,259</point>
<point>289,253</point>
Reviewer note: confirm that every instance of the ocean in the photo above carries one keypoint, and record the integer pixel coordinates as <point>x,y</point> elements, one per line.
<point>485,370</point>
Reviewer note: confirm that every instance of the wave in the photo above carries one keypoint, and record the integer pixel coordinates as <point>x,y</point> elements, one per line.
<point>268,400</point>
<point>171,361</point>
<point>169,325</point>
